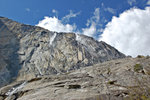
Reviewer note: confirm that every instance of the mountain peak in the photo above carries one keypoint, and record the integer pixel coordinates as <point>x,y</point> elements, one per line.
<point>29,51</point>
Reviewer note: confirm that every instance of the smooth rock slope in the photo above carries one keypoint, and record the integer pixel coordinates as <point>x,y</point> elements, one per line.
<point>112,80</point>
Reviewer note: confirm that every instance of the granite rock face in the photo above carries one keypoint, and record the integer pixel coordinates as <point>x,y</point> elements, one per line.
<point>111,80</point>
<point>9,59</point>
<point>29,51</point>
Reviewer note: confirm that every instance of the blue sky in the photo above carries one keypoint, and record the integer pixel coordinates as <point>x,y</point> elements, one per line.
<point>107,20</point>
<point>31,11</point>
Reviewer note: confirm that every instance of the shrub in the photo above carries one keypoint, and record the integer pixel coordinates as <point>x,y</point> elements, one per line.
<point>111,82</point>
<point>137,67</point>
<point>140,56</point>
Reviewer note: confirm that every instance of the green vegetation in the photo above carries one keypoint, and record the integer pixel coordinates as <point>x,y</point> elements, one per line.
<point>137,67</point>
<point>108,71</point>
<point>140,56</point>
<point>111,82</point>
<point>141,92</point>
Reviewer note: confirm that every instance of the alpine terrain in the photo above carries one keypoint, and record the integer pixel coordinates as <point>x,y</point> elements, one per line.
<point>38,64</point>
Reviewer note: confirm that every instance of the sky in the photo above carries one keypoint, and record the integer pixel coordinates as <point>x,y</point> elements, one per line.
<point>124,24</point>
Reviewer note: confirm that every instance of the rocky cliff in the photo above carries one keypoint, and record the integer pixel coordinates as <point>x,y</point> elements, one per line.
<point>29,51</point>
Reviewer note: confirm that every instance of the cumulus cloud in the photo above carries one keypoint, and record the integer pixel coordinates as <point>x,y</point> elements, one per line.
<point>131,2</point>
<point>90,31</point>
<point>70,15</point>
<point>54,24</point>
<point>130,32</point>
<point>91,24</point>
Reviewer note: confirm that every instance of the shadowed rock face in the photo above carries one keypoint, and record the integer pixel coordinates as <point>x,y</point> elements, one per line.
<point>30,51</point>
<point>9,59</point>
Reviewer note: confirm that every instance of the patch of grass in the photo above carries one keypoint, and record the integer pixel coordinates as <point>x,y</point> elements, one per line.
<point>137,67</point>
<point>139,92</point>
<point>108,71</point>
<point>140,56</point>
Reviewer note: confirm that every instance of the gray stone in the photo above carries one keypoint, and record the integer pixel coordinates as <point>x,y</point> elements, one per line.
<point>111,80</point>
<point>29,51</point>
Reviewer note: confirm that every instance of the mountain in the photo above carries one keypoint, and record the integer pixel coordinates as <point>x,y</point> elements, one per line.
<point>37,64</point>
<point>29,51</point>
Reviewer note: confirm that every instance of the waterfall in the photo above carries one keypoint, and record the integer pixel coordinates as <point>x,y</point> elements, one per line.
<point>52,39</point>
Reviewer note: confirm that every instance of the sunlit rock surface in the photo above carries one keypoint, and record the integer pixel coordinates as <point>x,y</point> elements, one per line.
<point>30,51</point>
<point>111,80</point>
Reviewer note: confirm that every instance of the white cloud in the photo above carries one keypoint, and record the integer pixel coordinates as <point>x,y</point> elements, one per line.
<point>130,32</point>
<point>131,2</point>
<point>108,9</point>
<point>89,31</point>
<point>148,2</point>
<point>70,15</point>
<point>54,24</point>
<point>55,12</point>
<point>91,24</point>
<point>111,10</point>
<point>96,16</point>
<point>28,9</point>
